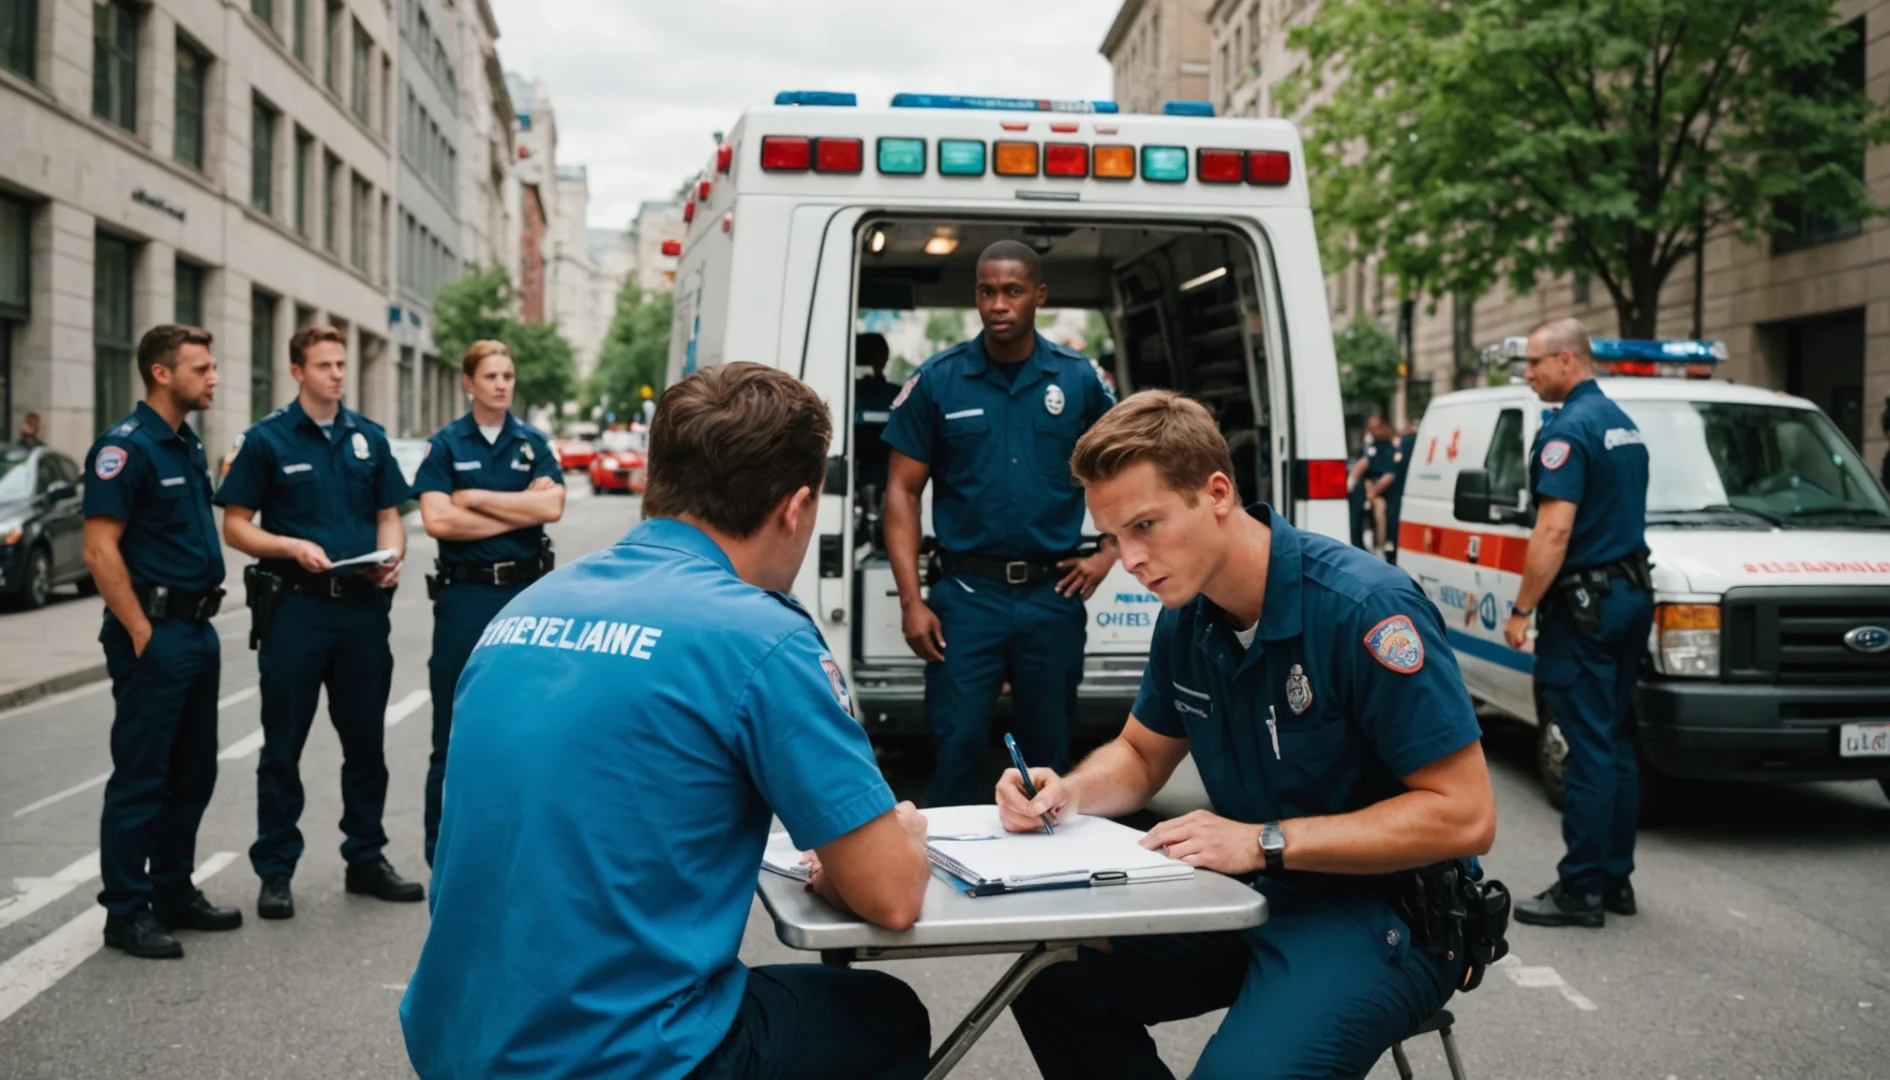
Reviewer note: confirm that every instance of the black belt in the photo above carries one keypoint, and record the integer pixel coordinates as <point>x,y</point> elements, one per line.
<point>164,602</point>
<point>321,586</point>
<point>1009,571</point>
<point>507,573</point>
<point>1634,568</point>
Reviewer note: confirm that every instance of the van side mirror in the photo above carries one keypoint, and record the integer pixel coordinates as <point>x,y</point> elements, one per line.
<point>1471,499</point>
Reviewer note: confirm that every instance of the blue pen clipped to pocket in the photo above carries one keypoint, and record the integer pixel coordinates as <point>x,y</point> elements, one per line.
<point>1023,772</point>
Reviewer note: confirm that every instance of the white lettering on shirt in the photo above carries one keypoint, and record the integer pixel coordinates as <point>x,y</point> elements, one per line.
<point>1622,436</point>
<point>575,635</point>
<point>301,467</point>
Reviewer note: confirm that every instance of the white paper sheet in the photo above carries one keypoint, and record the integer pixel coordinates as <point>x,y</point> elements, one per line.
<point>1082,848</point>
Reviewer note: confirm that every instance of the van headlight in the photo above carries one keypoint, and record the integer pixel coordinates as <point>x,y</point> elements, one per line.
<point>1687,640</point>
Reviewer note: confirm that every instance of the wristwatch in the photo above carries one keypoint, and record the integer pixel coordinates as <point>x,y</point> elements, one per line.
<point>1521,612</point>
<point>1273,845</point>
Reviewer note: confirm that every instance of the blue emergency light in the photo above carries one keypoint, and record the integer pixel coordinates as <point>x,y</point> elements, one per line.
<point>1674,351</point>
<point>1000,104</point>
<point>1188,108</point>
<point>817,97</point>
<point>1676,358</point>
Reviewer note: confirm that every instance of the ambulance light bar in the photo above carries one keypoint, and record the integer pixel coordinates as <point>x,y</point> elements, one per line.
<point>993,104</point>
<point>906,156</point>
<point>1675,359</point>
<point>1188,108</point>
<point>817,97</point>
<point>1704,352</point>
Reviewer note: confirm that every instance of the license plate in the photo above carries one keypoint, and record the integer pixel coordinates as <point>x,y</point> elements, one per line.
<point>1864,740</point>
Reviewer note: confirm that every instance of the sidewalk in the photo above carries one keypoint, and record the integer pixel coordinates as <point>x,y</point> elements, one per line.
<point>50,650</point>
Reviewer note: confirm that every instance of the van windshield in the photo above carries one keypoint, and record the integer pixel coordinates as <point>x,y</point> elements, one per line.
<point>1772,465</point>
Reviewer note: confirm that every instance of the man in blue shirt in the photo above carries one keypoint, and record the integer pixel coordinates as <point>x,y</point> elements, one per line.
<point>328,489</point>
<point>872,408</point>
<point>623,733</point>
<point>487,488</point>
<point>1313,685</point>
<point>1381,467</point>
<point>1586,567</point>
<point>151,544</point>
<point>991,424</point>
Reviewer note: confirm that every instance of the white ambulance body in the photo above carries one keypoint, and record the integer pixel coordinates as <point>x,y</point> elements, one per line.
<point>1192,235</point>
<point>1770,541</point>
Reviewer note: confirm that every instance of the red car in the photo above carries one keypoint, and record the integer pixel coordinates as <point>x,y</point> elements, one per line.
<point>575,454</point>
<point>619,464</point>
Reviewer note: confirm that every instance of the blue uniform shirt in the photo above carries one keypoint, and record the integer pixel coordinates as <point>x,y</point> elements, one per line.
<point>157,482</point>
<point>1590,453</point>
<point>458,456</point>
<point>1349,672</point>
<point>623,732</point>
<point>310,486</point>
<point>1000,452</point>
<point>1400,465</point>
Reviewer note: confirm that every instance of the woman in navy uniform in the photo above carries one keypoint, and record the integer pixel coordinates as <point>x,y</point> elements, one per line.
<point>327,488</point>
<point>151,543</point>
<point>488,487</point>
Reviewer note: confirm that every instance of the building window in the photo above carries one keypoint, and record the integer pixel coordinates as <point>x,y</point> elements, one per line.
<point>15,267</point>
<point>19,38</point>
<point>189,305</point>
<point>192,70</point>
<point>262,354</point>
<point>264,10</point>
<point>111,331</point>
<point>406,375</point>
<point>298,31</point>
<point>1812,227</point>
<point>362,224</point>
<point>115,63</point>
<point>363,71</point>
<point>331,46</point>
<point>262,157</point>
<point>331,203</point>
<point>304,164</point>
<point>1582,288</point>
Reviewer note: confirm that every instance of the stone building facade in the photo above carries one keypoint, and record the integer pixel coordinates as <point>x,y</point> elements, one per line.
<point>1159,52</point>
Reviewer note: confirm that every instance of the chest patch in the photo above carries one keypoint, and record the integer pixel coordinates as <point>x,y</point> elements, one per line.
<point>837,683</point>
<point>171,481</point>
<point>290,470</point>
<point>110,462</point>
<point>1554,454</point>
<point>1395,644</point>
<point>465,466</point>
<point>1053,400</point>
<point>360,445</point>
<point>1298,691</point>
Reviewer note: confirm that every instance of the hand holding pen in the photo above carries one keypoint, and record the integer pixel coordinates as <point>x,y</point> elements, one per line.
<point>1031,799</point>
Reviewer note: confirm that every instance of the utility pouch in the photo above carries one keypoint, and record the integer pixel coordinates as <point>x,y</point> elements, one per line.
<point>1581,593</point>
<point>1452,911</point>
<point>262,592</point>
<point>1485,930</point>
<point>435,586</point>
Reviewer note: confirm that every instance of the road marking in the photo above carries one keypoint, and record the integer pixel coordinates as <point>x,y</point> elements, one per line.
<point>1542,978</point>
<point>58,954</point>
<point>87,785</point>
<point>36,893</point>
<point>253,741</point>
<point>407,706</point>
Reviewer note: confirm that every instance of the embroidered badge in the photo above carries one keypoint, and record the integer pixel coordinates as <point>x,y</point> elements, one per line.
<point>1053,399</point>
<point>1298,691</point>
<point>1395,644</point>
<point>360,446</point>
<point>1554,454</point>
<point>110,462</point>
<point>838,683</point>
<point>906,390</point>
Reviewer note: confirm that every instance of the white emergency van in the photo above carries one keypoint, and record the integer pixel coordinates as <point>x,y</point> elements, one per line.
<point>1191,235</point>
<point>1770,541</point>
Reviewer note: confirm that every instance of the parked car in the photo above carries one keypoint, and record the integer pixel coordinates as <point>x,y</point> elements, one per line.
<point>42,526</point>
<point>619,466</point>
<point>575,454</point>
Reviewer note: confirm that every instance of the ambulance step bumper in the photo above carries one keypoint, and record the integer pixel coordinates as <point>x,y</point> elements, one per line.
<point>1720,731</point>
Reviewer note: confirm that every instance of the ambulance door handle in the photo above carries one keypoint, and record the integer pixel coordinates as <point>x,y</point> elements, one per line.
<point>832,567</point>
<point>1474,551</point>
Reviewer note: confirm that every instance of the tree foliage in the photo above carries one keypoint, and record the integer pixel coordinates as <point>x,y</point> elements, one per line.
<point>1368,364</point>
<point>1469,141</point>
<point>479,308</point>
<point>635,352</point>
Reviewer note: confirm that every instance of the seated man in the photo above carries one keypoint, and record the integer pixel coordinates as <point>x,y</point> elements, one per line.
<point>1334,738</point>
<point>623,732</point>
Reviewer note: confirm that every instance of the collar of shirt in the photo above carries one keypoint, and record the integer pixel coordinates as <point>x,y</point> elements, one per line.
<point>153,424</point>
<point>467,428</point>
<point>679,536</point>
<point>1280,614</point>
<point>978,362</point>
<point>297,416</point>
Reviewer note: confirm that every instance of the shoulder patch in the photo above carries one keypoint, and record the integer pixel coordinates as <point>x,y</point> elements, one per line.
<point>1109,384</point>
<point>906,390</point>
<point>109,462</point>
<point>1395,644</point>
<point>1554,454</point>
<point>838,683</point>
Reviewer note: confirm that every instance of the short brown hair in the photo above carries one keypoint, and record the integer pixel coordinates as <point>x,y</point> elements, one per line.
<point>300,341</point>
<point>729,442</point>
<point>477,353</point>
<point>159,347</point>
<point>1174,433</point>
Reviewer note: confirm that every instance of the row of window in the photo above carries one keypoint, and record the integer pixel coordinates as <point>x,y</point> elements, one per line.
<point>425,147</point>
<point>432,52</point>
<point>426,261</point>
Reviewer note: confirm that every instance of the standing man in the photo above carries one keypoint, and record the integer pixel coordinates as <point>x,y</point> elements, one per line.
<point>872,408</point>
<point>624,733</point>
<point>993,422</point>
<point>487,488</point>
<point>151,543</point>
<point>1391,490</point>
<point>29,424</point>
<point>1314,687</point>
<point>1586,568</point>
<point>1380,467</point>
<point>328,489</point>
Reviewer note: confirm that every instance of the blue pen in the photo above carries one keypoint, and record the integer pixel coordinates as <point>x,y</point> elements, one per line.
<point>1023,771</point>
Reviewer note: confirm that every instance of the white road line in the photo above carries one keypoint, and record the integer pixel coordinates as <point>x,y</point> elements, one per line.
<point>396,712</point>
<point>36,893</point>
<point>1542,978</point>
<point>87,785</point>
<point>37,967</point>
<point>242,747</point>
<point>406,706</point>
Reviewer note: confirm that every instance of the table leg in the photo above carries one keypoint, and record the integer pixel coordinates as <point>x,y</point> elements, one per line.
<point>1027,967</point>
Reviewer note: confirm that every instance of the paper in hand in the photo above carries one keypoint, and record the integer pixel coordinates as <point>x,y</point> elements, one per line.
<point>378,557</point>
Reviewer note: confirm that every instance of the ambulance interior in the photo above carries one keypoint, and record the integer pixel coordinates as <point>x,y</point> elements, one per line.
<point>1183,308</point>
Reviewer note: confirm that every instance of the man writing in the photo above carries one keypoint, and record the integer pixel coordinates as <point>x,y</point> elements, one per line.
<point>1334,737</point>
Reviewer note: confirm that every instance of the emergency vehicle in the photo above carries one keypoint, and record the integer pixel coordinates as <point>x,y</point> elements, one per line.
<point>1770,653</point>
<point>1191,234</point>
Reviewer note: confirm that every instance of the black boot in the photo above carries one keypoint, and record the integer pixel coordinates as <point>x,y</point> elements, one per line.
<point>1560,906</point>
<point>199,914</point>
<point>276,901</point>
<point>140,934</point>
<point>377,878</point>
<point>1618,897</point>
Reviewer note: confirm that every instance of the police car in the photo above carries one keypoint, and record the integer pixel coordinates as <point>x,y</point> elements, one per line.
<point>1770,540</point>
<point>1191,235</point>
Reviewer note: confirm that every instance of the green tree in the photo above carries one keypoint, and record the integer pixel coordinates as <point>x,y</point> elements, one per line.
<point>547,373</point>
<point>478,308</point>
<point>944,328</point>
<point>635,352</point>
<point>1368,364</point>
<point>1469,141</point>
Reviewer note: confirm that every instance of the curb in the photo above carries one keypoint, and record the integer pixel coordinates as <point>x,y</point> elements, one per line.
<point>70,680</point>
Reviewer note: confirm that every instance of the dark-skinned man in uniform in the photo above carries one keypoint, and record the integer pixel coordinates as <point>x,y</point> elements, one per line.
<point>991,424</point>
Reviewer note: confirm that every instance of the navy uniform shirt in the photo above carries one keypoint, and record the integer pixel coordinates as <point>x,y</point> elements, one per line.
<point>1000,451</point>
<point>1590,453</point>
<point>1400,465</point>
<point>624,731</point>
<point>458,456</point>
<point>1348,687</point>
<point>308,485</point>
<point>157,482</point>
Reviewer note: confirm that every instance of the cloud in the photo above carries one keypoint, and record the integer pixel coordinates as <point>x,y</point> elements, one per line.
<point>639,86</point>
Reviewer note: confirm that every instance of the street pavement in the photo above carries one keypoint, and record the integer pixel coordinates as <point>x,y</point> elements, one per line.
<point>1762,949</point>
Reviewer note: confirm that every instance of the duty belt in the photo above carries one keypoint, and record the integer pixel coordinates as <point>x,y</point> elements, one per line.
<point>321,586</point>
<point>1009,571</point>
<point>1634,568</point>
<point>507,573</point>
<point>164,602</point>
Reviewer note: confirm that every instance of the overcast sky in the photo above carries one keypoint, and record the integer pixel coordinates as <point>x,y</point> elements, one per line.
<point>639,86</point>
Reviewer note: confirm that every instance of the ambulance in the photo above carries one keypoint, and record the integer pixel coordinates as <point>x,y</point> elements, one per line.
<point>1770,653</point>
<point>1190,235</point>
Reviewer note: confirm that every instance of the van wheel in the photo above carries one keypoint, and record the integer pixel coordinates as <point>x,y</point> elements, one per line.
<point>1551,754</point>
<point>36,584</point>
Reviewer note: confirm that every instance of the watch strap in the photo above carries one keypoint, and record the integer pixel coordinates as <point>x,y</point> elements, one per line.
<point>1273,845</point>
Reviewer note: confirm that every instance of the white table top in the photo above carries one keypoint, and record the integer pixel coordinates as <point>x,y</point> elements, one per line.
<point>1204,903</point>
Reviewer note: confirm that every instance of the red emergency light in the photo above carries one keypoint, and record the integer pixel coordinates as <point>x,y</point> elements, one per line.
<point>838,155</point>
<point>1066,159</point>
<point>702,190</point>
<point>1220,166</point>
<point>1323,479</point>
<point>672,248</point>
<point>724,157</point>
<point>786,153</point>
<point>728,221</point>
<point>689,211</point>
<point>1271,168</point>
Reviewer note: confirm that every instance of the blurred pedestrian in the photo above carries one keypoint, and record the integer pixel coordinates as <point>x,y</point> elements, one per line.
<point>1380,468</point>
<point>29,431</point>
